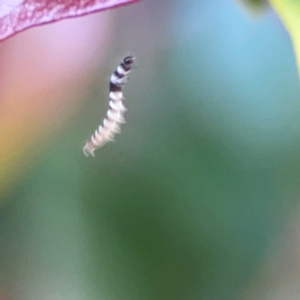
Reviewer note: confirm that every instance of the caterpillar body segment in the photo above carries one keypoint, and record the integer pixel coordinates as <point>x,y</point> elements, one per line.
<point>115,114</point>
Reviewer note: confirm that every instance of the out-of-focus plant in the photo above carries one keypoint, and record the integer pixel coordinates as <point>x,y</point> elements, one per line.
<point>255,5</point>
<point>18,15</point>
<point>289,12</point>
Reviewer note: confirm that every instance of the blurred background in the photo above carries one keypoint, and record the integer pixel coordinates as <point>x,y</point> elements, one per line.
<point>196,199</point>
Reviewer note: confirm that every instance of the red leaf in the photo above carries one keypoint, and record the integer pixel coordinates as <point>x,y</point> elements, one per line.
<point>17,15</point>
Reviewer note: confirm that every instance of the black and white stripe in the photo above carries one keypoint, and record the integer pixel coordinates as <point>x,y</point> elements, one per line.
<point>115,114</point>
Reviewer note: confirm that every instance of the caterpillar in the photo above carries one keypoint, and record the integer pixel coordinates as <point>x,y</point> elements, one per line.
<point>115,114</point>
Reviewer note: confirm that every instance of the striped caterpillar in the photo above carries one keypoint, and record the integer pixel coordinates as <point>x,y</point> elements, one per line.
<point>115,114</point>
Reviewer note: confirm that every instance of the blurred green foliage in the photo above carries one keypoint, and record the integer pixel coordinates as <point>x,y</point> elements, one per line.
<point>255,5</point>
<point>289,12</point>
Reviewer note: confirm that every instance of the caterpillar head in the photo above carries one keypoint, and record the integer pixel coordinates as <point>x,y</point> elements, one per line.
<point>128,61</point>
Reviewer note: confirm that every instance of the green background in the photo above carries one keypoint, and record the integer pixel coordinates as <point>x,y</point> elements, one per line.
<point>188,200</point>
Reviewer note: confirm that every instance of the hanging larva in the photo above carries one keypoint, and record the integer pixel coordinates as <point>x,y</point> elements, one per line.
<point>115,114</point>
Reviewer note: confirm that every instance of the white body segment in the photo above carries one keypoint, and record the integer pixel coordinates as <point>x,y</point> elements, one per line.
<point>111,125</point>
<point>121,71</point>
